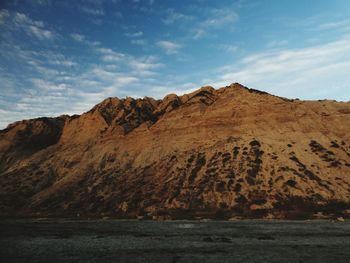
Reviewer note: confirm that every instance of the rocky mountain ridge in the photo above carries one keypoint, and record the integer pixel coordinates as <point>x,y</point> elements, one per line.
<point>230,152</point>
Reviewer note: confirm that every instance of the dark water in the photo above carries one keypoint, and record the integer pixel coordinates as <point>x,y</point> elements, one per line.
<point>179,241</point>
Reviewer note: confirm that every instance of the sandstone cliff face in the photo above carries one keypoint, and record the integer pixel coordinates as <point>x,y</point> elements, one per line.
<point>210,154</point>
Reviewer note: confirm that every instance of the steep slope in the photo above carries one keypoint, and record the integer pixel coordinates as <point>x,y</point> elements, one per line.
<point>212,153</point>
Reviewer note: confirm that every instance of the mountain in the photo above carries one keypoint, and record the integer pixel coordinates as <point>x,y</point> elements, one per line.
<point>230,152</point>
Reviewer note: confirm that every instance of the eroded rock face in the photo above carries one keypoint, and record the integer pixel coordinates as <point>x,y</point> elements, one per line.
<point>208,154</point>
<point>22,139</point>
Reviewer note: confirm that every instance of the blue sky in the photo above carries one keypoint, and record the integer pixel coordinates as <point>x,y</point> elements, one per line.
<point>65,56</point>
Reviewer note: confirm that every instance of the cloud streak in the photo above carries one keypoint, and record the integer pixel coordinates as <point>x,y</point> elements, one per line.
<point>174,17</point>
<point>215,19</point>
<point>295,72</point>
<point>136,34</point>
<point>169,47</point>
<point>32,27</point>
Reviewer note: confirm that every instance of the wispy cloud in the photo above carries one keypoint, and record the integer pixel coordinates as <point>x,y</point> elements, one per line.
<point>214,19</point>
<point>140,42</point>
<point>47,85</point>
<point>108,55</point>
<point>63,62</point>
<point>78,37</point>
<point>169,46</point>
<point>277,43</point>
<point>220,17</point>
<point>142,66</point>
<point>343,25</point>
<point>41,2</point>
<point>229,48</point>
<point>81,38</point>
<point>295,72</point>
<point>136,34</point>
<point>95,11</point>
<point>32,27</point>
<point>4,14</point>
<point>145,65</point>
<point>202,21</point>
<point>173,16</point>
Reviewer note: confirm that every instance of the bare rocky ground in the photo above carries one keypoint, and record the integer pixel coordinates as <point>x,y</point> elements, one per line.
<point>174,241</point>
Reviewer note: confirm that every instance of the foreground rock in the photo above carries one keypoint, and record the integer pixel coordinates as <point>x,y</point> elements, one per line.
<point>227,153</point>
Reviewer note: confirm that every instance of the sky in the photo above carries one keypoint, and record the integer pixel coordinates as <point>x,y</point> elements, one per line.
<point>63,57</point>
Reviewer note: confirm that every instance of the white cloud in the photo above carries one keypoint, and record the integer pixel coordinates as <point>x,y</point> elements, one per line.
<point>213,19</point>
<point>78,37</point>
<point>40,33</point>
<point>108,55</point>
<point>229,48</point>
<point>41,2</point>
<point>47,85</point>
<point>101,73</point>
<point>119,81</point>
<point>139,42</point>
<point>32,27</point>
<point>40,59</point>
<point>220,17</point>
<point>277,43</point>
<point>82,39</point>
<point>95,11</point>
<point>169,46</point>
<point>4,14</point>
<point>63,62</point>
<point>342,25</point>
<point>112,57</point>
<point>198,33</point>
<point>311,72</point>
<point>144,66</point>
<point>141,66</point>
<point>174,17</point>
<point>136,34</point>
<point>95,2</point>
<point>125,80</point>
